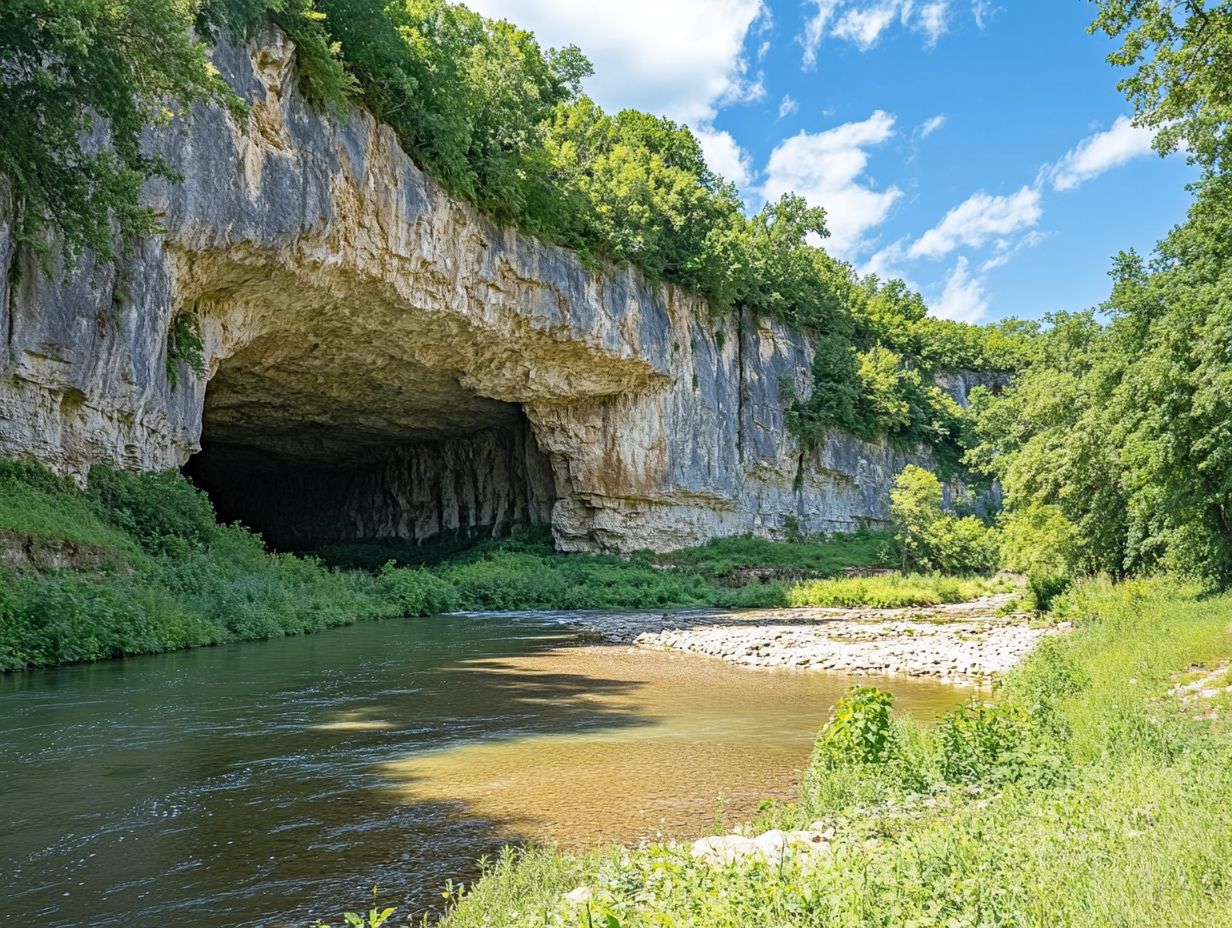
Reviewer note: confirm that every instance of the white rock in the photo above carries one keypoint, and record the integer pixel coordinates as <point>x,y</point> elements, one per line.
<point>579,896</point>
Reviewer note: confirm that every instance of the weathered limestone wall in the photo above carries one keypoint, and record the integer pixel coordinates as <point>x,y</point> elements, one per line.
<point>350,308</point>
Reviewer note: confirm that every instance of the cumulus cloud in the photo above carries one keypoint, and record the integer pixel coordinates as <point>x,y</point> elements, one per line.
<point>931,125</point>
<point>827,169</point>
<point>979,219</point>
<point>676,58</point>
<point>1101,152</point>
<point>963,297</point>
<point>724,155</point>
<point>887,263</point>
<point>863,22</point>
<point>683,59</point>
<point>788,106</point>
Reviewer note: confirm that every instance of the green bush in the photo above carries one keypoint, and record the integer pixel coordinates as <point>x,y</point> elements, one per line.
<point>859,728</point>
<point>995,745</point>
<point>176,578</point>
<point>416,591</point>
<point>891,591</point>
<point>930,537</point>
<point>864,755</point>
<point>1045,588</point>
<point>806,557</point>
<point>163,512</point>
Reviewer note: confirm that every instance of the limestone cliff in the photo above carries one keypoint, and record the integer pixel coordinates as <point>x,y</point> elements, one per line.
<point>373,345</point>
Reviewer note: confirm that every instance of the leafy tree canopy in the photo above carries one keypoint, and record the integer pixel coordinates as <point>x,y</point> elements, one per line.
<point>1122,427</point>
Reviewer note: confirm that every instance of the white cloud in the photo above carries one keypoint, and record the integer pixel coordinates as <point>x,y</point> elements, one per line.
<point>983,11</point>
<point>887,263</point>
<point>963,298</point>
<point>1101,152</point>
<point>863,22</point>
<point>725,156</point>
<point>931,125</point>
<point>815,28</point>
<point>1007,248</point>
<point>788,106</point>
<point>826,168</point>
<point>677,59</point>
<point>683,59</point>
<point>934,20</point>
<point>978,219</point>
<point>863,27</point>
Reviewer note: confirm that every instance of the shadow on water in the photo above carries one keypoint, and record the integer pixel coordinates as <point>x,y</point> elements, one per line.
<point>273,783</point>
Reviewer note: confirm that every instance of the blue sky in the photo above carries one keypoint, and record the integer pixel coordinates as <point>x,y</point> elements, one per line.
<point>979,149</point>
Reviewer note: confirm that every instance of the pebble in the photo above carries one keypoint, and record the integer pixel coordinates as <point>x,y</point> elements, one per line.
<point>961,643</point>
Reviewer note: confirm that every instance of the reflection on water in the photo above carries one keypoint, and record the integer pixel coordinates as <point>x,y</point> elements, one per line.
<point>271,783</point>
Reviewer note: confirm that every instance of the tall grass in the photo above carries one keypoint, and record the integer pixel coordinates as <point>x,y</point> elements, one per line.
<point>892,590</point>
<point>1088,797</point>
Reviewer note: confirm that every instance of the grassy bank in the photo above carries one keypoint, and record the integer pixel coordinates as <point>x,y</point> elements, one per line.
<point>137,564</point>
<point>1090,797</point>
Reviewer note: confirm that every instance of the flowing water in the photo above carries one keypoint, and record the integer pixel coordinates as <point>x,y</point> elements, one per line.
<point>273,783</point>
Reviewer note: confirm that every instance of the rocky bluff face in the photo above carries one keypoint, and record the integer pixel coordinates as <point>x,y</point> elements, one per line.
<point>384,362</point>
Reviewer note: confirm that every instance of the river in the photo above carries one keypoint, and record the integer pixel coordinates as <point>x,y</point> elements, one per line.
<point>273,783</point>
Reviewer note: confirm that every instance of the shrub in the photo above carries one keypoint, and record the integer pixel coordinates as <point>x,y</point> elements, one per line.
<point>415,591</point>
<point>507,580</point>
<point>994,745</point>
<point>859,728</point>
<point>163,511</point>
<point>864,755</point>
<point>890,591</point>
<point>35,477</point>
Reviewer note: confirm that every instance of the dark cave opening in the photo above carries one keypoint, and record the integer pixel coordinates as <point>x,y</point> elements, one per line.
<point>311,490</point>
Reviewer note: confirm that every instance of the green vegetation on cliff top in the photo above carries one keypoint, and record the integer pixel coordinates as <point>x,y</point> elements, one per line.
<point>501,122</point>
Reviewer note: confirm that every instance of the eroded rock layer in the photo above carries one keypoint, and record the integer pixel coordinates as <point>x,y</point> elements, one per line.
<point>353,313</point>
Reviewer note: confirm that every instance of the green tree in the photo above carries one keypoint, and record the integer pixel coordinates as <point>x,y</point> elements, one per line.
<point>80,81</point>
<point>928,536</point>
<point>1181,53</point>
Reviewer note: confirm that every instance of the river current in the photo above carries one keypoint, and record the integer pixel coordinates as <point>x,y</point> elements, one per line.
<point>273,783</point>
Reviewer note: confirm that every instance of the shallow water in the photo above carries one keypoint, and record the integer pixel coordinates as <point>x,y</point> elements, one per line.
<point>272,783</point>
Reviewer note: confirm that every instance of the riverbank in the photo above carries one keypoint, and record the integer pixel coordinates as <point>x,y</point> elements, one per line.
<point>1096,794</point>
<point>138,564</point>
<point>970,642</point>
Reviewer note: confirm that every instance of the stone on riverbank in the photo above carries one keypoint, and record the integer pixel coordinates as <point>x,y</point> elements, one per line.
<point>959,643</point>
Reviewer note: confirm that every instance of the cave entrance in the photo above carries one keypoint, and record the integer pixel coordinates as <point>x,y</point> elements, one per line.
<point>427,468</point>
